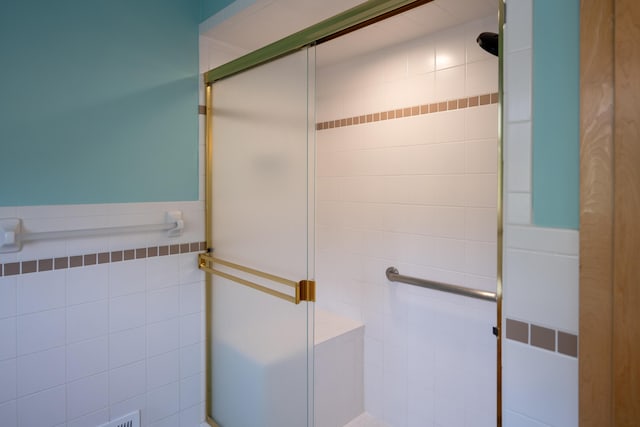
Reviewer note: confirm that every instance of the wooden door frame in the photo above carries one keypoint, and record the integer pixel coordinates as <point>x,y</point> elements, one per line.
<point>596,210</point>
<point>609,371</point>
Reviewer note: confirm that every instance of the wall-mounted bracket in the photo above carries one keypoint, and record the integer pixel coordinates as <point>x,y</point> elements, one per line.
<point>175,217</point>
<point>10,229</point>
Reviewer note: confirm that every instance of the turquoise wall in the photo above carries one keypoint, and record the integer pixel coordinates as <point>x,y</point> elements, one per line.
<point>98,101</point>
<point>209,8</point>
<point>556,119</point>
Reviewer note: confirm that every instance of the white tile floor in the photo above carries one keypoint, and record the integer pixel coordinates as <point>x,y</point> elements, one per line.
<point>366,420</point>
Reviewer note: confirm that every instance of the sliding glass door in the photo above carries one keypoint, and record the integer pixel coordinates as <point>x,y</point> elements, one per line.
<point>260,268</point>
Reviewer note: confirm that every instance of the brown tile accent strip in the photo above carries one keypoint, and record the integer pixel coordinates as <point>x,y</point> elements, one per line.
<point>414,110</point>
<point>202,109</point>
<point>543,337</point>
<point>518,331</point>
<point>567,344</point>
<point>45,264</point>
<point>29,267</point>
<point>103,258</point>
<point>76,261</point>
<point>12,269</point>
<point>90,259</point>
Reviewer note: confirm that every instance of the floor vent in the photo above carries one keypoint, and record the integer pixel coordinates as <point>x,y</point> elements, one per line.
<point>129,420</point>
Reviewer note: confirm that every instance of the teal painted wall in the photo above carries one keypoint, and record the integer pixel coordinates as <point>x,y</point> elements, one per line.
<point>556,126</point>
<point>98,101</point>
<point>209,8</point>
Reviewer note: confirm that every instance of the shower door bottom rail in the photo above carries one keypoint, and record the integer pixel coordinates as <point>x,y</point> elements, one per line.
<point>393,275</point>
<point>304,290</point>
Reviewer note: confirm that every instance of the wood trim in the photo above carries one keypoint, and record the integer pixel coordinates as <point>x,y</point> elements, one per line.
<point>596,211</point>
<point>610,214</point>
<point>626,250</point>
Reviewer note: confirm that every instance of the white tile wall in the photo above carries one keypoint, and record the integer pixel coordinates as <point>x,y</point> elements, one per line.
<point>40,371</point>
<point>540,265</point>
<point>163,369</point>
<point>93,419</point>
<point>86,321</point>
<point>418,193</point>
<point>40,331</point>
<point>127,381</point>
<point>442,66</point>
<point>544,290</point>
<point>87,358</point>
<point>8,338</point>
<point>51,408</point>
<point>8,380</point>
<point>81,346</point>
<point>541,385</point>
<point>87,395</point>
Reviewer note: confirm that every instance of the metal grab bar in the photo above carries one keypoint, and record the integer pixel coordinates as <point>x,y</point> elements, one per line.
<point>305,290</point>
<point>394,276</point>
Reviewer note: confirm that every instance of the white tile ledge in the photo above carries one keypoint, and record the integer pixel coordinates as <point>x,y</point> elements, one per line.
<point>545,240</point>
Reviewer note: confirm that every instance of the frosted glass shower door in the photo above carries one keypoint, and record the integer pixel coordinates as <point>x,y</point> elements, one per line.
<point>260,336</point>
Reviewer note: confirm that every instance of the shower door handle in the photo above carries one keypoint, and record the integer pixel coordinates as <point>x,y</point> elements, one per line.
<point>304,290</point>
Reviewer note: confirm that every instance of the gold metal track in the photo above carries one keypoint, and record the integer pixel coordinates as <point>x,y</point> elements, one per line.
<point>357,17</point>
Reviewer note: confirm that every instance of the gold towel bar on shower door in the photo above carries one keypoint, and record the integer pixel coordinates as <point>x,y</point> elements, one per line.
<point>305,290</point>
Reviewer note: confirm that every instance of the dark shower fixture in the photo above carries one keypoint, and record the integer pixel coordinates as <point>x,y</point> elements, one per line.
<point>489,42</point>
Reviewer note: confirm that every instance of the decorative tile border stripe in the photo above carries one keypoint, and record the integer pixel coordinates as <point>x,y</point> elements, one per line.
<point>542,337</point>
<point>436,107</point>
<point>48,264</point>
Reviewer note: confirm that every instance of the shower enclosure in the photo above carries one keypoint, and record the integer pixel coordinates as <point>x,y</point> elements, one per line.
<point>275,133</point>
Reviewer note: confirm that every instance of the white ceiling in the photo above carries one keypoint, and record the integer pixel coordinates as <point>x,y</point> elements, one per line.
<point>266,21</point>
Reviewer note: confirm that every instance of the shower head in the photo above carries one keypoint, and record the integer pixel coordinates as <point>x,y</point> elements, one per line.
<point>489,42</point>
